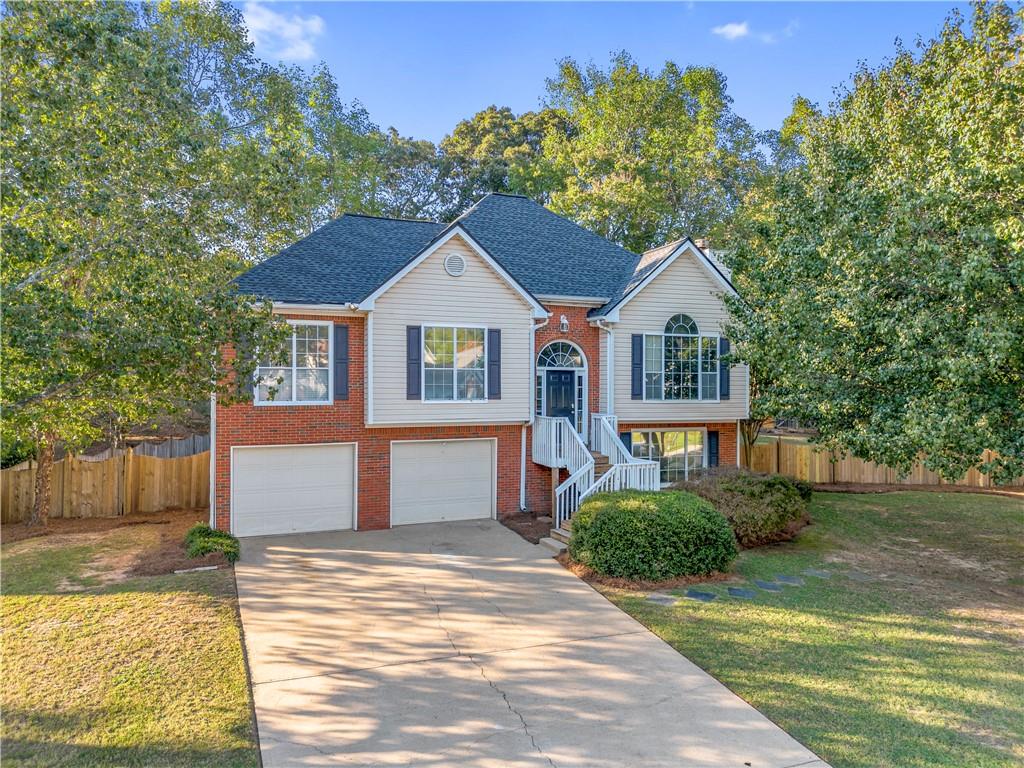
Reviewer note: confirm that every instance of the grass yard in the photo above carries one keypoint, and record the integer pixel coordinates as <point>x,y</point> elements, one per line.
<point>106,667</point>
<point>910,654</point>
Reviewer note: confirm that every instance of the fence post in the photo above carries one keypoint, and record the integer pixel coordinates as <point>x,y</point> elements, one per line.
<point>127,502</point>
<point>778,455</point>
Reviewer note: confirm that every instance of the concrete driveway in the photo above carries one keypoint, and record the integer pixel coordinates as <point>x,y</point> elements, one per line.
<point>460,644</point>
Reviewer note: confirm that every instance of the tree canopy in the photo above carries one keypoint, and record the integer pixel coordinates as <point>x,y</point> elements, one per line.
<point>882,273</point>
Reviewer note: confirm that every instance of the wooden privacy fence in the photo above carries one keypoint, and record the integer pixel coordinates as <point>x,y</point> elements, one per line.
<point>120,485</point>
<point>800,460</point>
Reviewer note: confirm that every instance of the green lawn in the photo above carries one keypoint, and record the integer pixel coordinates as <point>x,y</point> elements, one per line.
<point>922,666</point>
<point>103,670</point>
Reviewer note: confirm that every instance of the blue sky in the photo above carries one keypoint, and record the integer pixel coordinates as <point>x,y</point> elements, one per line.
<point>422,67</point>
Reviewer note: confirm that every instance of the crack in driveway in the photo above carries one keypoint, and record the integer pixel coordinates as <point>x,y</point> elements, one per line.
<point>483,673</point>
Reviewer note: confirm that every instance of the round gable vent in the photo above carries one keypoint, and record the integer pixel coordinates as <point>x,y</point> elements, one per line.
<point>454,264</point>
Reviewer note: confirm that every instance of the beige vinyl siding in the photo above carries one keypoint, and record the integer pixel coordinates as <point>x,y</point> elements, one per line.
<point>686,287</point>
<point>428,295</point>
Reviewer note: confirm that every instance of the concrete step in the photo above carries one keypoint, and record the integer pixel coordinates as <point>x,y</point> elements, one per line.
<point>557,546</point>
<point>560,534</point>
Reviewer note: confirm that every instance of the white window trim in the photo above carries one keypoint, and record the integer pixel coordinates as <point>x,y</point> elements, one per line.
<point>455,370</point>
<point>700,383</point>
<point>686,472</point>
<point>330,371</point>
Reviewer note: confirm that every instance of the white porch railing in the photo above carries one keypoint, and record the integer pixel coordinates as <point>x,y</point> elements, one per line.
<point>557,444</point>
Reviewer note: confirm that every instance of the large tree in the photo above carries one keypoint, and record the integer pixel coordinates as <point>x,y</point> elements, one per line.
<point>127,138</point>
<point>882,275</point>
<point>498,151</point>
<point>647,157</point>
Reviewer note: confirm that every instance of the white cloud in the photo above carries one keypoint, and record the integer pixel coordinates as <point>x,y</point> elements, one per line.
<point>736,30</point>
<point>732,31</point>
<point>278,36</point>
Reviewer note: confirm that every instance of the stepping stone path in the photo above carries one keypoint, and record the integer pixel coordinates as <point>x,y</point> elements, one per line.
<point>816,573</point>
<point>768,586</point>
<point>792,581</point>
<point>746,594</point>
<point>661,598</point>
<point>704,597</point>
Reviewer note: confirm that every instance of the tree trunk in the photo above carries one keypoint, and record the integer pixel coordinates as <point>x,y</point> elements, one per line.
<point>44,472</point>
<point>750,429</point>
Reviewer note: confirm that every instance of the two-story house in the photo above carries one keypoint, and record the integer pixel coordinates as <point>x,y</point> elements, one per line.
<point>507,361</point>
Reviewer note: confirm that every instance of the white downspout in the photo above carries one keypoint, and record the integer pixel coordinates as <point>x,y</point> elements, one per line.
<point>213,460</point>
<point>369,368</point>
<point>532,406</point>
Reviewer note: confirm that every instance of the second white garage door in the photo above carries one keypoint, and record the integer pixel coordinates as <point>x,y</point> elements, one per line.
<point>292,489</point>
<point>435,480</point>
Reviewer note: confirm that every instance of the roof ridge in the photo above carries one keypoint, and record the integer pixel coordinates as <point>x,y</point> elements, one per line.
<point>670,244</point>
<point>388,218</point>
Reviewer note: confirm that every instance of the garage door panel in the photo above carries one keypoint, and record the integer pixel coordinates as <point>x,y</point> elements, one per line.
<point>292,489</point>
<point>436,480</point>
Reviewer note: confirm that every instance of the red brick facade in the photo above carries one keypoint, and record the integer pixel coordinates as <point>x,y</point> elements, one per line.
<point>344,421</point>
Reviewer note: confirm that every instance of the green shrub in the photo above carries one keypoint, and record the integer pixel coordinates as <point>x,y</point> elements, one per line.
<point>651,535</point>
<point>760,508</point>
<point>201,540</point>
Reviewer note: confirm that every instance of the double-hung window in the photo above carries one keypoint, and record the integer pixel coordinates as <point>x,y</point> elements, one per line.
<point>681,363</point>
<point>303,374</point>
<point>454,363</point>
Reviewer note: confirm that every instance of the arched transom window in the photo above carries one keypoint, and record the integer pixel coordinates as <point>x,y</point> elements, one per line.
<point>681,325</point>
<point>560,354</point>
<point>681,363</point>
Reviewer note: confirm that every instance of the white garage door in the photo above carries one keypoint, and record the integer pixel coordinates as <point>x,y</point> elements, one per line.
<point>292,489</point>
<point>433,480</point>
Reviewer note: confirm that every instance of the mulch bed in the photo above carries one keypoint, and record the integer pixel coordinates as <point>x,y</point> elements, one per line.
<point>591,576</point>
<point>166,557</point>
<point>530,526</point>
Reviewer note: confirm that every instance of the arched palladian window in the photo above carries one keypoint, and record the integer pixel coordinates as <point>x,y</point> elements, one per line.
<point>560,354</point>
<point>681,363</point>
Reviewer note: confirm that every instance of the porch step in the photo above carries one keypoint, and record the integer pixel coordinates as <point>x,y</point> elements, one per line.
<point>555,545</point>
<point>561,534</point>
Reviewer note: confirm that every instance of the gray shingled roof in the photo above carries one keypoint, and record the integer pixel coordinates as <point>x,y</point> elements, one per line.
<point>343,261</point>
<point>548,254</point>
<point>347,259</point>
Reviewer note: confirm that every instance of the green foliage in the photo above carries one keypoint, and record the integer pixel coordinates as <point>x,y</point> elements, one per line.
<point>651,535</point>
<point>201,540</point>
<point>125,133</point>
<point>760,508</point>
<point>882,275</point>
<point>647,157</point>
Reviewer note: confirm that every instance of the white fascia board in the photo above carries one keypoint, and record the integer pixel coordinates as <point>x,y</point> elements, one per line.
<point>282,307</point>
<point>574,301</point>
<point>538,308</point>
<point>612,315</point>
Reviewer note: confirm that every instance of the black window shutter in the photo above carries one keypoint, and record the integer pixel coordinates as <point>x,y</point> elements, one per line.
<point>413,355</point>
<point>494,364</point>
<point>637,367</point>
<point>340,361</point>
<point>723,369</point>
<point>712,449</point>
<point>627,440</point>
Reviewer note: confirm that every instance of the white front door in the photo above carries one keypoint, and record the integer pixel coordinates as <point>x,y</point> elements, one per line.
<point>435,480</point>
<point>292,488</point>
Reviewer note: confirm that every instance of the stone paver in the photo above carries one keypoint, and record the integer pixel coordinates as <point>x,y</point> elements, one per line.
<point>791,581</point>
<point>704,597</point>
<point>768,586</point>
<point>459,645</point>
<point>742,592</point>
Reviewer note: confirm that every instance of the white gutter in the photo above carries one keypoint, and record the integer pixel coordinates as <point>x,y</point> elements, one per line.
<point>213,460</point>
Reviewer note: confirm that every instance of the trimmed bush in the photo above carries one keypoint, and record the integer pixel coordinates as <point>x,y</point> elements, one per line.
<point>201,540</point>
<point>651,536</point>
<point>761,509</point>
